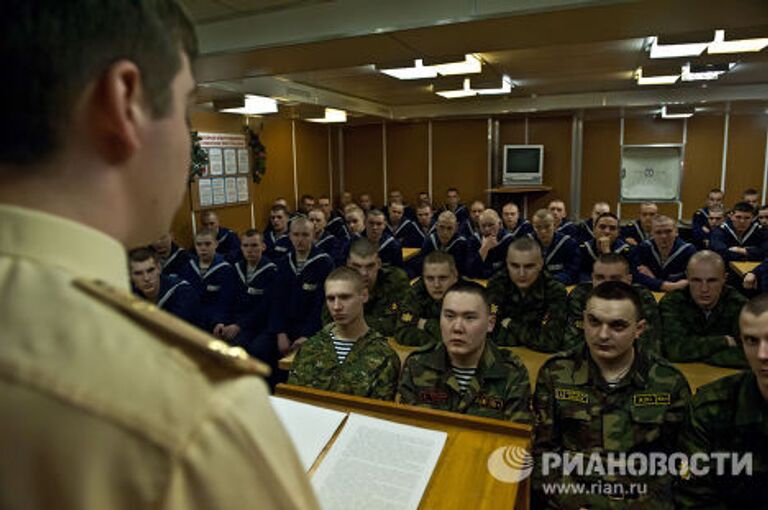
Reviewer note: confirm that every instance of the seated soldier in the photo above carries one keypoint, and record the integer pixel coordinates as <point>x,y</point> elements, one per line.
<point>445,238</point>
<point>171,258</point>
<point>424,198</point>
<point>587,227</point>
<point>470,229</point>
<point>762,216</point>
<point>660,262</point>
<point>390,251</point>
<point>757,279</point>
<point>701,322</point>
<point>730,415</point>
<point>513,223</point>
<point>752,197</point>
<point>466,373</point>
<point>276,239</point>
<point>227,242</point>
<point>604,398</point>
<point>610,267</point>
<point>306,204</point>
<point>365,202</point>
<point>607,241</point>
<point>701,227</point>
<point>490,253</point>
<point>639,230</point>
<point>347,356</point>
<point>398,225</point>
<point>322,238</point>
<point>562,223</point>
<point>420,308</point>
<point>299,296</point>
<point>715,218</point>
<point>169,293</point>
<point>561,253</point>
<point>396,197</point>
<point>417,232</point>
<point>255,291</point>
<point>453,204</point>
<point>214,280</point>
<point>386,287</point>
<point>354,222</point>
<point>530,305</point>
<point>739,238</point>
<point>334,220</point>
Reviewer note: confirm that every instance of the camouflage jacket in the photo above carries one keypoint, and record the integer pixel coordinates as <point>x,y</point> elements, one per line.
<point>728,415</point>
<point>500,388</point>
<point>370,370</point>
<point>688,335</point>
<point>418,304</point>
<point>536,319</point>
<point>577,301</point>
<point>577,411</point>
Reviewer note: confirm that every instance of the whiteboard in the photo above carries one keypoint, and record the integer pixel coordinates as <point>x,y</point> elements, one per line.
<point>651,172</point>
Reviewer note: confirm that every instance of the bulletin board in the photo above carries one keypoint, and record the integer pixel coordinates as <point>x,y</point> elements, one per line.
<point>225,181</point>
<point>651,172</point>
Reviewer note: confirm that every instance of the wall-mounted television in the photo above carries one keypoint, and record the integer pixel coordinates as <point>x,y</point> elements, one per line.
<point>523,164</point>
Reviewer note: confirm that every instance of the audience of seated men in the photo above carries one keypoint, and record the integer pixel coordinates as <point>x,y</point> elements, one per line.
<point>762,216</point>
<point>513,222</point>
<point>390,250</point>
<point>418,231</point>
<point>752,197</point>
<point>398,226</point>
<point>334,221</point>
<point>365,202</point>
<point>227,242</point>
<point>454,205</point>
<point>605,397</point>
<point>639,230</point>
<point>396,197</point>
<point>562,223</point>
<point>168,292</point>
<point>470,229</point>
<point>306,204</point>
<point>466,373</point>
<point>530,306</point>
<point>701,227</point>
<point>740,238</point>
<point>606,241</point>
<point>587,227</point>
<point>419,322</point>
<point>730,415</point>
<point>347,355</point>
<point>170,256</point>
<point>214,280</point>
<point>490,253</point>
<point>323,239</point>
<point>444,238</point>
<point>354,222</point>
<point>700,323</point>
<point>562,258</point>
<point>299,298</point>
<point>611,267</point>
<point>661,261</point>
<point>715,218</point>
<point>276,237</point>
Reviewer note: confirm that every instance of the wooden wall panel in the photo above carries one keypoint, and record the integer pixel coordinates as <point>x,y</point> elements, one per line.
<point>363,163</point>
<point>275,134</point>
<point>512,131</point>
<point>554,133</point>
<point>336,187</point>
<point>746,155</point>
<point>408,158</point>
<point>630,211</point>
<point>646,130</point>
<point>460,159</point>
<point>312,158</point>
<point>600,165</point>
<point>703,161</point>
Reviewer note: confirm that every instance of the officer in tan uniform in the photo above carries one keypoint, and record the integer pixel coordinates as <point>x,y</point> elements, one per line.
<point>107,402</point>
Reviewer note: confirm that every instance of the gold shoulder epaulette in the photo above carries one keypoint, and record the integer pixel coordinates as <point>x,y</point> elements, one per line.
<point>171,326</point>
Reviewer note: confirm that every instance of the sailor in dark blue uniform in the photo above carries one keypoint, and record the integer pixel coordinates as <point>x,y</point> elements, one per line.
<point>170,256</point>
<point>397,224</point>
<point>454,205</point>
<point>334,219</point>
<point>586,227</point>
<point>327,242</point>
<point>227,242</point>
<point>660,263</point>
<point>299,294</point>
<point>513,222</point>
<point>701,229</point>
<point>276,238</point>
<point>562,224</point>
<point>447,239</point>
<point>639,230</point>
<point>562,258</point>
<point>415,233</point>
<point>490,253</point>
<point>396,197</point>
<point>739,238</point>
<point>470,229</point>
<point>606,241</point>
<point>389,249</point>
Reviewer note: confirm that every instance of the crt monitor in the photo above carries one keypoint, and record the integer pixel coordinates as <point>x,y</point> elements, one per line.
<point>523,164</point>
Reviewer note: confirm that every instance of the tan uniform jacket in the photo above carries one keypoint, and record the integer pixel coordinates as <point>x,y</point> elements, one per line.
<point>101,409</point>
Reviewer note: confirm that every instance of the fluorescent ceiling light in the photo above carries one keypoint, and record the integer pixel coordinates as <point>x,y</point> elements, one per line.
<point>720,45</point>
<point>655,80</point>
<point>696,73</point>
<point>466,91</point>
<point>682,114</point>
<point>676,50</point>
<point>417,72</point>
<point>255,105</point>
<point>506,88</point>
<point>470,65</point>
<point>331,115</point>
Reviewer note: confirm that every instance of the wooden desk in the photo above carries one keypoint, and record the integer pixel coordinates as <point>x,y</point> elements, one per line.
<point>461,479</point>
<point>742,268</point>
<point>409,253</point>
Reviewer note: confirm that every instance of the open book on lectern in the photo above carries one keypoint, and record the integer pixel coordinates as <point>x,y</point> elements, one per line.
<point>359,461</point>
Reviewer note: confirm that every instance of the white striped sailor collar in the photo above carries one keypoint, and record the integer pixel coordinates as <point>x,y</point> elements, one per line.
<point>435,241</point>
<point>520,223</point>
<point>242,270</point>
<point>617,247</point>
<point>400,226</point>
<point>314,255</point>
<point>564,224</point>
<point>678,247</point>
<point>588,225</point>
<point>172,256</point>
<point>751,230</point>
<point>324,237</point>
<point>170,292</point>
<point>217,263</point>
<point>639,229</point>
<point>222,234</point>
<point>276,239</point>
<point>555,245</point>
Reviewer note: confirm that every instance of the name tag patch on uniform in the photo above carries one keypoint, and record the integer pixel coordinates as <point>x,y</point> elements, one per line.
<point>571,395</point>
<point>651,399</point>
<point>213,288</point>
<point>433,396</point>
<point>309,286</point>
<point>490,402</point>
<point>253,291</point>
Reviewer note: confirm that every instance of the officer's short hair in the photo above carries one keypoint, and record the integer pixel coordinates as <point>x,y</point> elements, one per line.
<point>440,257</point>
<point>363,248</point>
<point>279,208</point>
<point>375,212</point>
<point>660,219</point>
<point>447,216</point>
<point>544,215</point>
<point>524,244</point>
<point>142,254</point>
<point>53,50</point>
<point>604,215</point>
<point>718,208</point>
<point>489,213</point>
<point>208,213</point>
<point>252,232</point>
<point>299,222</point>
<point>347,274</point>
<point>758,305</point>
<point>618,291</point>
<point>470,287</point>
<point>706,256</point>
<point>743,207</point>
<point>205,232</point>
<point>613,258</point>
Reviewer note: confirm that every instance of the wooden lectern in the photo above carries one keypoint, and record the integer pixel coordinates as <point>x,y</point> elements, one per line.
<point>461,479</point>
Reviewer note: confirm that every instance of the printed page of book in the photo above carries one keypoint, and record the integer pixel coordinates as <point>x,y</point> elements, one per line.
<point>309,427</point>
<point>377,464</point>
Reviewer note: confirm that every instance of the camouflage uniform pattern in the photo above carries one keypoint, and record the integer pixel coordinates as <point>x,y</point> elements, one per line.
<point>577,411</point>
<point>577,301</point>
<point>728,415</point>
<point>688,335</point>
<point>536,319</point>
<point>418,304</point>
<point>500,388</point>
<point>370,370</point>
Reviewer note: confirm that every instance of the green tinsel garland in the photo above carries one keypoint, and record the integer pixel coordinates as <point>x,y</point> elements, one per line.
<point>199,159</point>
